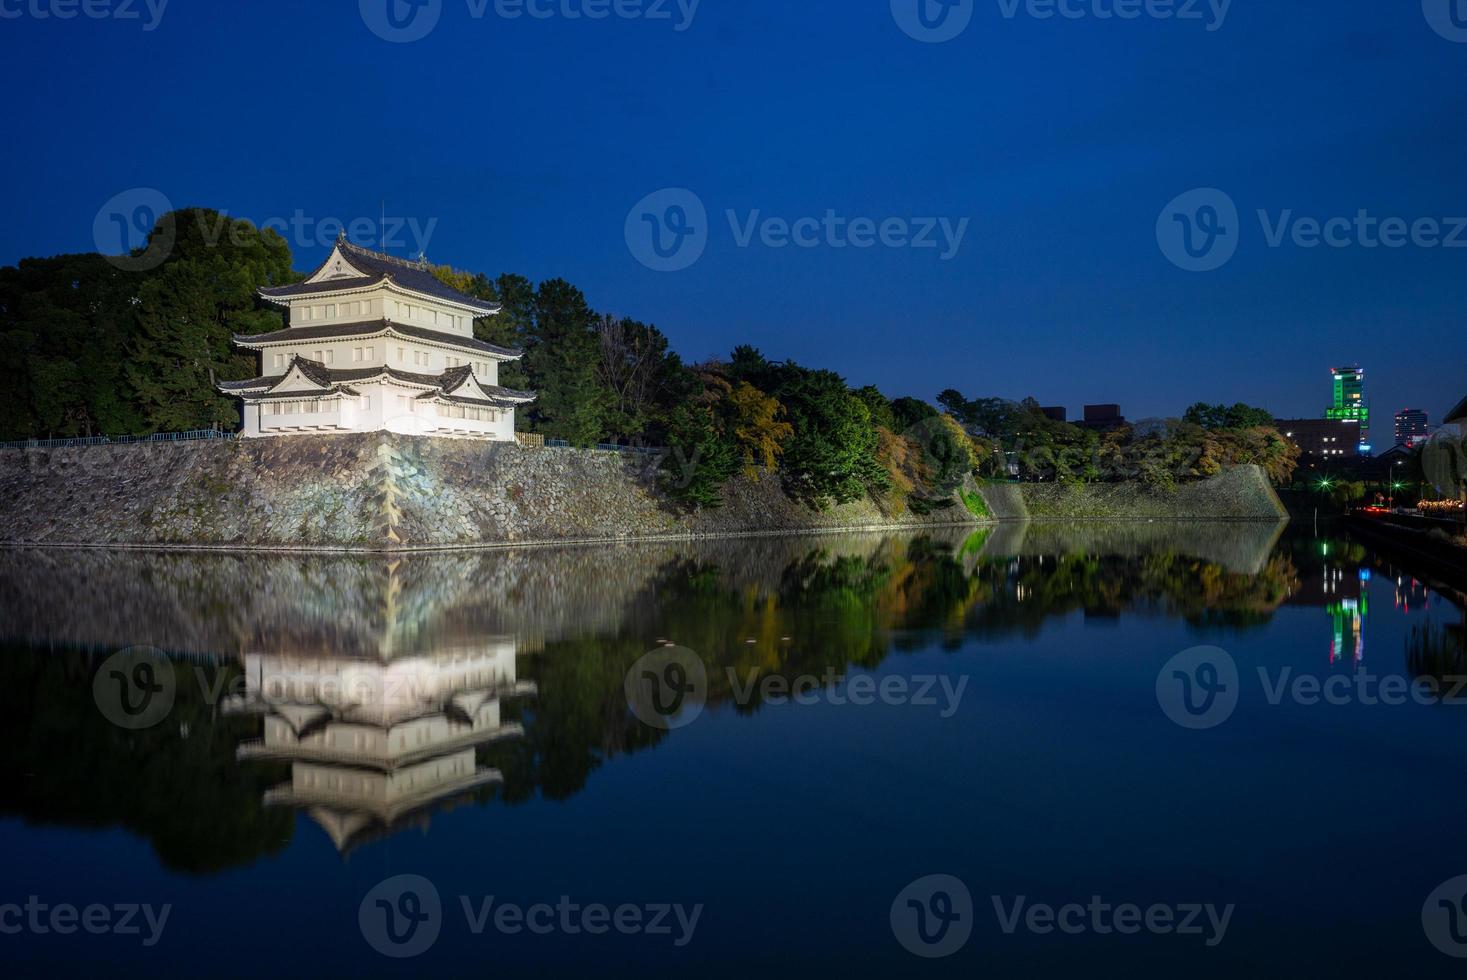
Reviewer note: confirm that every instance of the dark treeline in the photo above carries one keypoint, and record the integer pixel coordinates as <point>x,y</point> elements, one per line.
<point>98,346</point>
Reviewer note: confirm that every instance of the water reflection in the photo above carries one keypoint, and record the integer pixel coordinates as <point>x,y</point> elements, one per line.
<point>375,746</point>
<point>370,695</point>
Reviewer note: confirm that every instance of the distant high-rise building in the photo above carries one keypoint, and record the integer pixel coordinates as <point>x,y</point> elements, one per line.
<point>1321,442</point>
<point>1412,426</point>
<point>1102,418</point>
<point>1350,404</point>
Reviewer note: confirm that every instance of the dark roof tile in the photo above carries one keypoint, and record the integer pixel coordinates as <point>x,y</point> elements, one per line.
<point>364,328</point>
<point>416,276</point>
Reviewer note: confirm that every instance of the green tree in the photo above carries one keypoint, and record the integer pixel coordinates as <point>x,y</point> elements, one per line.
<point>701,458</point>
<point>65,327</point>
<point>909,412</point>
<point>189,309</point>
<point>641,374</point>
<point>1219,417</point>
<point>562,361</point>
<point>831,458</point>
<point>882,415</point>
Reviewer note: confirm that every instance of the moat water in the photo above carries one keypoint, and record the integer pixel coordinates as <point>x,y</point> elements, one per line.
<point>1048,751</point>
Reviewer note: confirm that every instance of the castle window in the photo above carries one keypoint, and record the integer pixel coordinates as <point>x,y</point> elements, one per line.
<point>330,311</point>
<point>401,355</point>
<point>279,361</point>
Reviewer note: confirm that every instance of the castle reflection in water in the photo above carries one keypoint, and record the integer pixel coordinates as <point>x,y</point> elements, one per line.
<point>372,744</point>
<point>369,694</point>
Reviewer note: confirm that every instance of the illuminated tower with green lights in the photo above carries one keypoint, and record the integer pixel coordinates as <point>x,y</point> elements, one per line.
<point>1350,404</point>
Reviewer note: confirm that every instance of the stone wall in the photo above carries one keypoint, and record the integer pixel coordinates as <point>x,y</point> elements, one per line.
<point>381,492</point>
<point>1242,493</point>
<point>377,492</point>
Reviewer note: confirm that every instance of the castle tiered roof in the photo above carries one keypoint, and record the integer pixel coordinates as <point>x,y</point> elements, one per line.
<point>456,385</point>
<point>370,329</point>
<point>351,267</point>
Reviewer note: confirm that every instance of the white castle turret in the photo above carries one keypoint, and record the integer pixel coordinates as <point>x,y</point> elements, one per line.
<point>377,343</point>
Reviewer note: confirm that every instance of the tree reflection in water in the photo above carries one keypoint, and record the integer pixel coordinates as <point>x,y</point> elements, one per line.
<point>577,619</point>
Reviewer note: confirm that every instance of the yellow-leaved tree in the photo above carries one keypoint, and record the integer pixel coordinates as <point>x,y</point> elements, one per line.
<point>759,427</point>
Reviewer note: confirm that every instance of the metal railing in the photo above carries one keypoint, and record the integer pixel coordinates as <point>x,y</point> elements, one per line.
<point>609,448</point>
<point>196,435</point>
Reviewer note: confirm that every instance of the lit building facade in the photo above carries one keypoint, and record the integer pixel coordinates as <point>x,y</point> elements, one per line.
<point>1321,441</point>
<point>1349,403</point>
<point>1412,427</point>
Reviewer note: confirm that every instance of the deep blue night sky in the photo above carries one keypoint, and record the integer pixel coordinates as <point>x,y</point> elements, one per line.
<point>1060,140</point>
